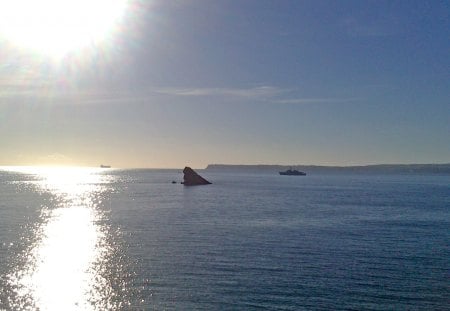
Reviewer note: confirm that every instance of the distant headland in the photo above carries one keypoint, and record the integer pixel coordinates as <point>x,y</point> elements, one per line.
<point>439,169</point>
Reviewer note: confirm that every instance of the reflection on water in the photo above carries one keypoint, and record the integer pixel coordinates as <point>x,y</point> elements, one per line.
<point>63,270</point>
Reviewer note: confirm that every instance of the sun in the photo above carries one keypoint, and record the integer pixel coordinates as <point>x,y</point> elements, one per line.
<point>57,27</point>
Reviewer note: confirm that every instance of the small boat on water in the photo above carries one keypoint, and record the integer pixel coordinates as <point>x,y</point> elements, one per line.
<point>105,166</point>
<point>291,172</point>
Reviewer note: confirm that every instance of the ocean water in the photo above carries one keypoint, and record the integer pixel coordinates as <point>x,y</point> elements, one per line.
<point>103,239</point>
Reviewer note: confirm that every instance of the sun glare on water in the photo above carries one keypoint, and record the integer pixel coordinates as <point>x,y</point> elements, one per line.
<point>62,269</point>
<point>57,27</point>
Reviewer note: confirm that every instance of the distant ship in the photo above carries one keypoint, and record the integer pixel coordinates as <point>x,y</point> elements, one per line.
<point>105,166</point>
<point>292,172</point>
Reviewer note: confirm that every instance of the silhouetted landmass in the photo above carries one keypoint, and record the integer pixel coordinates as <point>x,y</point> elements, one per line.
<point>440,169</point>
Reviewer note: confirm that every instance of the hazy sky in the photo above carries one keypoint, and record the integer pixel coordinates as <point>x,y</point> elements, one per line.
<point>276,82</point>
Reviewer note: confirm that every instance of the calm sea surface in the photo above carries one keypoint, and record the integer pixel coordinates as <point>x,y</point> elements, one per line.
<point>100,239</point>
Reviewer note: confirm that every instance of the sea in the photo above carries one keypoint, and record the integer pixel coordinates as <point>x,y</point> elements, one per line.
<point>107,239</point>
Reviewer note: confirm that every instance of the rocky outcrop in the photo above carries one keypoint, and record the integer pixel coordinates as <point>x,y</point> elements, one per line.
<point>191,178</point>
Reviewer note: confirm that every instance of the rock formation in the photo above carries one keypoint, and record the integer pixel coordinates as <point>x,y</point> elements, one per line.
<point>191,178</point>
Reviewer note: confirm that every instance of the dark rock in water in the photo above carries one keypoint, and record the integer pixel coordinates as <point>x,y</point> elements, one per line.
<point>191,178</point>
<point>174,182</point>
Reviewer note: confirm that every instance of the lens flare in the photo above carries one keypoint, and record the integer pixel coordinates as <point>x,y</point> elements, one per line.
<point>56,27</point>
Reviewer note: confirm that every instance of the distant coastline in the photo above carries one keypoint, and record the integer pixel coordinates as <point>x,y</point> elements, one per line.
<point>439,169</point>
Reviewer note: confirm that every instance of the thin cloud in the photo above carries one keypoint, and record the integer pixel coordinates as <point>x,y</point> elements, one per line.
<point>255,92</point>
<point>36,87</point>
<point>269,93</point>
<point>22,85</point>
<point>18,89</point>
<point>314,100</point>
<point>49,90</point>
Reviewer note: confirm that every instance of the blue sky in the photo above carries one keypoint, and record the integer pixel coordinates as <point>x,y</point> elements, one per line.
<point>250,82</point>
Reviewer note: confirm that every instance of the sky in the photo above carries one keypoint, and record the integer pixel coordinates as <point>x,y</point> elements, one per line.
<point>191,83</point>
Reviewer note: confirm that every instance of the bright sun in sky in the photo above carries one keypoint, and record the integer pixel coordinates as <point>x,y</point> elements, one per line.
<point>56,27</point>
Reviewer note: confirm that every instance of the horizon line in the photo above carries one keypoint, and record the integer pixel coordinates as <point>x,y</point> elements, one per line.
<point>219,164</point>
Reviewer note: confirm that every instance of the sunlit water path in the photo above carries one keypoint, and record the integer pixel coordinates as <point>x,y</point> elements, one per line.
<point>64,267</point>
